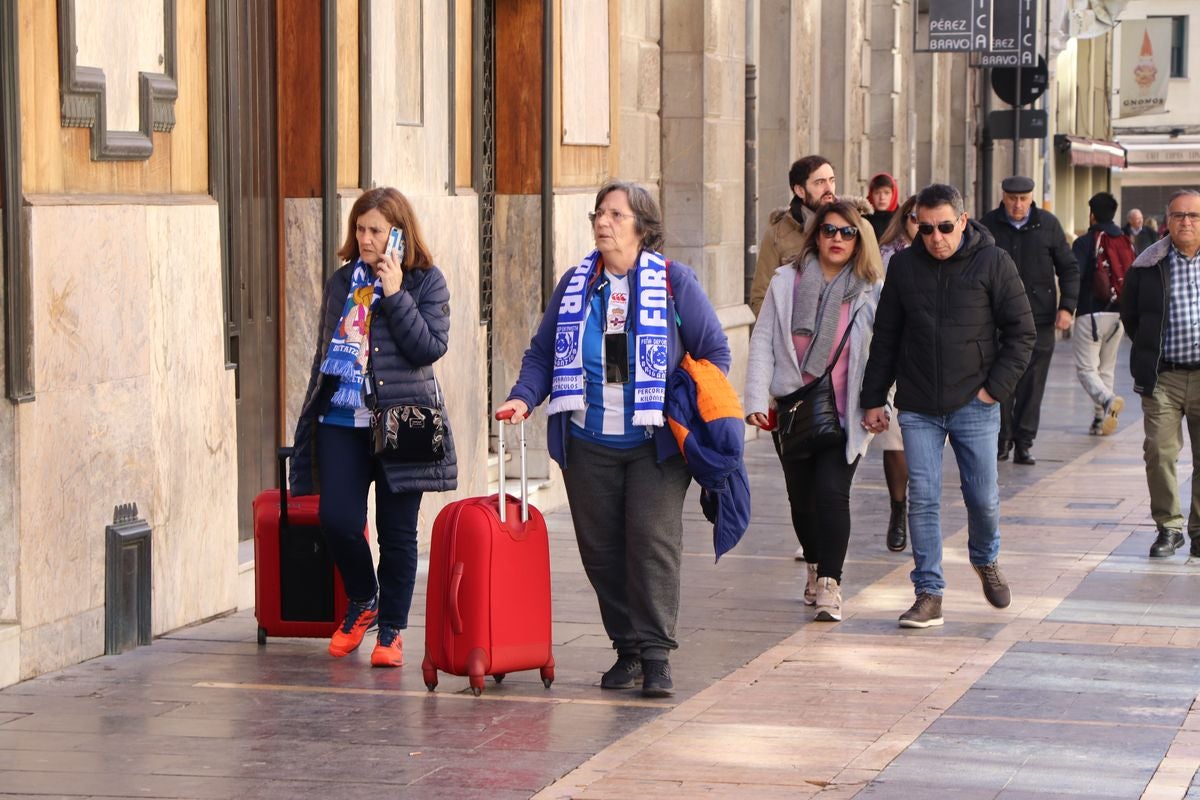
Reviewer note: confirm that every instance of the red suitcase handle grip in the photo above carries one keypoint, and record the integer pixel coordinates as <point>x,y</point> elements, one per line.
<point>455,583</point>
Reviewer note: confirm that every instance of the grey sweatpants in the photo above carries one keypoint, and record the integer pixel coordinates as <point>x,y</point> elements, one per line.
<point>628,515</point>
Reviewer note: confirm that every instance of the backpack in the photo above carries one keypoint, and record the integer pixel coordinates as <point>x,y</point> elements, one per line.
<point>1114,254</point>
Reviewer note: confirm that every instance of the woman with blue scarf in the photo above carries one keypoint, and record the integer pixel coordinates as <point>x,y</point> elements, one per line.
<point>615,328</point>
<point>385,321</point>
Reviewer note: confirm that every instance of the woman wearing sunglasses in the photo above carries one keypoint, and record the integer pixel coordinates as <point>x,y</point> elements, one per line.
<point>898,235</point>
<point>833,287</point>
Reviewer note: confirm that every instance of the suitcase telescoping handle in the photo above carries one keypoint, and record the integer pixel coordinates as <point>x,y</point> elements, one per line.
<point>503,415</point>
<point>284,454</point>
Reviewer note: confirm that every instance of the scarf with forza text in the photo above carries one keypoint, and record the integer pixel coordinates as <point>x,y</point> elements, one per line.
<point>650,329</point>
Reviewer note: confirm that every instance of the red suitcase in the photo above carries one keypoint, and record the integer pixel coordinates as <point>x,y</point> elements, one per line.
<point>297,588</point>
<point>487,609</point>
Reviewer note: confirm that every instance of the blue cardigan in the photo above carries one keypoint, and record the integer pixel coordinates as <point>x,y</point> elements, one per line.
<point>699,332</point>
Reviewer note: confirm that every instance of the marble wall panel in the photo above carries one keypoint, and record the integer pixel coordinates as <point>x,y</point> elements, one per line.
<point>9,540</point>
<point>305,282</point>
<point>133,404</point>
<point>10,654</point>
<point>194,477</point>
<point>413,157</point>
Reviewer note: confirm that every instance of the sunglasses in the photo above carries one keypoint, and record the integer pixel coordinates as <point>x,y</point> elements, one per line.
<point>946,227</point>
<point>829,231</point>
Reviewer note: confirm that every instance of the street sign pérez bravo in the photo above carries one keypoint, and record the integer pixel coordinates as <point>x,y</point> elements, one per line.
<point>1004,32</point>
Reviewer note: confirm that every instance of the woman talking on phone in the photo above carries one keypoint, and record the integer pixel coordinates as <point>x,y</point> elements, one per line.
<point>385,320</point>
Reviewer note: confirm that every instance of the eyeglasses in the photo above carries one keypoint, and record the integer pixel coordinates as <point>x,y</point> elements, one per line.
<point>848,232</point>
<point>1191,216</point>
<point>945,226</point>
<point>617,216</point>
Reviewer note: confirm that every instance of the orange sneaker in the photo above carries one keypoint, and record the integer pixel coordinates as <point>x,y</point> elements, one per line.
<point>360,616</point>
<point>388,650</point>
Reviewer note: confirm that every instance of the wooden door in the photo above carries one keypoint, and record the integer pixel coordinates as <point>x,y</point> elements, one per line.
<point>245,182</point>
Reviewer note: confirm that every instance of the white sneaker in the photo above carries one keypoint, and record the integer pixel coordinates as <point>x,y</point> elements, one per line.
<point>829,601</point>
<point>810,586</point>
<point>1111,409</point>
<point>799,554</point>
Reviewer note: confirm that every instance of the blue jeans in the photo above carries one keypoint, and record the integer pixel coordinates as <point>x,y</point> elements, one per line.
<point>972,430</point>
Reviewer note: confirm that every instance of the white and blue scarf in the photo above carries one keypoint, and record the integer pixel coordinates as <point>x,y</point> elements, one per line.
<point>347,355</point>
<point>650,329</point>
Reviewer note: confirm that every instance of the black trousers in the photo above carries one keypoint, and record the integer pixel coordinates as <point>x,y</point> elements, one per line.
<point>347,470</point>
<point>1021,414</point>
<point>818,491</point>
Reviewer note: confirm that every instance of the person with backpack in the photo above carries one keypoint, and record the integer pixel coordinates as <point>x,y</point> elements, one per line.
<point>1104,255</point>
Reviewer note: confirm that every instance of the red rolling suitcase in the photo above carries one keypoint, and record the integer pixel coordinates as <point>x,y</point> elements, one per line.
<point>297,589</point>
<point>487,609</point>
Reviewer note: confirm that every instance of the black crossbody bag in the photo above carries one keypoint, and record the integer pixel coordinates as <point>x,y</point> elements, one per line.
<point>808,418</point>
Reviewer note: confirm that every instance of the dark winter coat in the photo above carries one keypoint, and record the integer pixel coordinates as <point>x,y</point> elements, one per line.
<point>1039,249</point>
<point>409,332</point>
<point>1144,313</point>
<point>1084,250</point>
<point>944,329</point>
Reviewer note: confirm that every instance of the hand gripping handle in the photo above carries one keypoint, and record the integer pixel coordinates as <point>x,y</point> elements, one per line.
<point>503,497</point>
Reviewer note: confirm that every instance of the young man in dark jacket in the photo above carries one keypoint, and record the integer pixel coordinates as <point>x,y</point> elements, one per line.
<point>1035,240</point>
<point>1097,333</point>
<point>1160,310</point>
<point>954,332</point>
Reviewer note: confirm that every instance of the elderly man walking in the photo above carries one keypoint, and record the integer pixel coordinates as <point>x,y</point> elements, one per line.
<point>1035,240</point>
<point>954,332</point>
<point>1160,309</point>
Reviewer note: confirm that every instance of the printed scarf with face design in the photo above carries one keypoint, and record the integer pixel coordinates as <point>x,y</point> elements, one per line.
<point>346,358</point>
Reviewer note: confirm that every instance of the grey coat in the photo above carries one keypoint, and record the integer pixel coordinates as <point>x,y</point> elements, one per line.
<point>773,370</point>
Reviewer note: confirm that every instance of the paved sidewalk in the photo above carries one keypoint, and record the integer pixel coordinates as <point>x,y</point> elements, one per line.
<point>1085,686</point>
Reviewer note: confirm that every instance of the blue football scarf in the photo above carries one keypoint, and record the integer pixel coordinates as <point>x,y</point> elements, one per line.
<point>650,328</point>
<point>346,358</point>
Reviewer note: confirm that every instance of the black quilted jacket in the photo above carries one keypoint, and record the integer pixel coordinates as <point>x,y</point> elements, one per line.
<point>409,332</point>
<point>945,328</point>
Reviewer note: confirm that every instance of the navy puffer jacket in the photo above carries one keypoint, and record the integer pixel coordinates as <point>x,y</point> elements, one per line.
<point>944,329</point>
<point>409,332</point>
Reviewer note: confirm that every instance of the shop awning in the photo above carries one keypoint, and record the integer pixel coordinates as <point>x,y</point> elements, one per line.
<point>1084,152</point>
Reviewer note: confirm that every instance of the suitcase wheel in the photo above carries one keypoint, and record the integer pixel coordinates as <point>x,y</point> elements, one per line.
<point>429,673</point>
<point>499,677</point>
<point>262,635</point>
<point>477,690</point>
<point>548,675</point>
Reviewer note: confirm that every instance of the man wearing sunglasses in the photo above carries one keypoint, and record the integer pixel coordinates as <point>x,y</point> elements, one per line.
<point>1160,309</point>
<point>813,184</point>
<point>954,332</point>
<point>1035,240</point>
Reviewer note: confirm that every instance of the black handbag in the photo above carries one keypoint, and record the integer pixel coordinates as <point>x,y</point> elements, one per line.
<point>410,432</point>
<point>808,418</point>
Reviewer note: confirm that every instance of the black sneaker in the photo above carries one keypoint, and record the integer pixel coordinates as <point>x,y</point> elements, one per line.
<point>995,588</point>
<point>1195,549</point>
<point>925,612</point>
<point>1097,428</point>
<point>656,680</point>
<point>623,674</point>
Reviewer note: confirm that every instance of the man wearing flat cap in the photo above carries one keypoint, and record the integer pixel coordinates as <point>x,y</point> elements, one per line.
<point>1035,240</point>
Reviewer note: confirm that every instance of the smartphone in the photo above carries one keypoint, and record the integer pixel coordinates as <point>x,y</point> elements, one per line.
<point>616,357</point>
<point>395,242</point>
